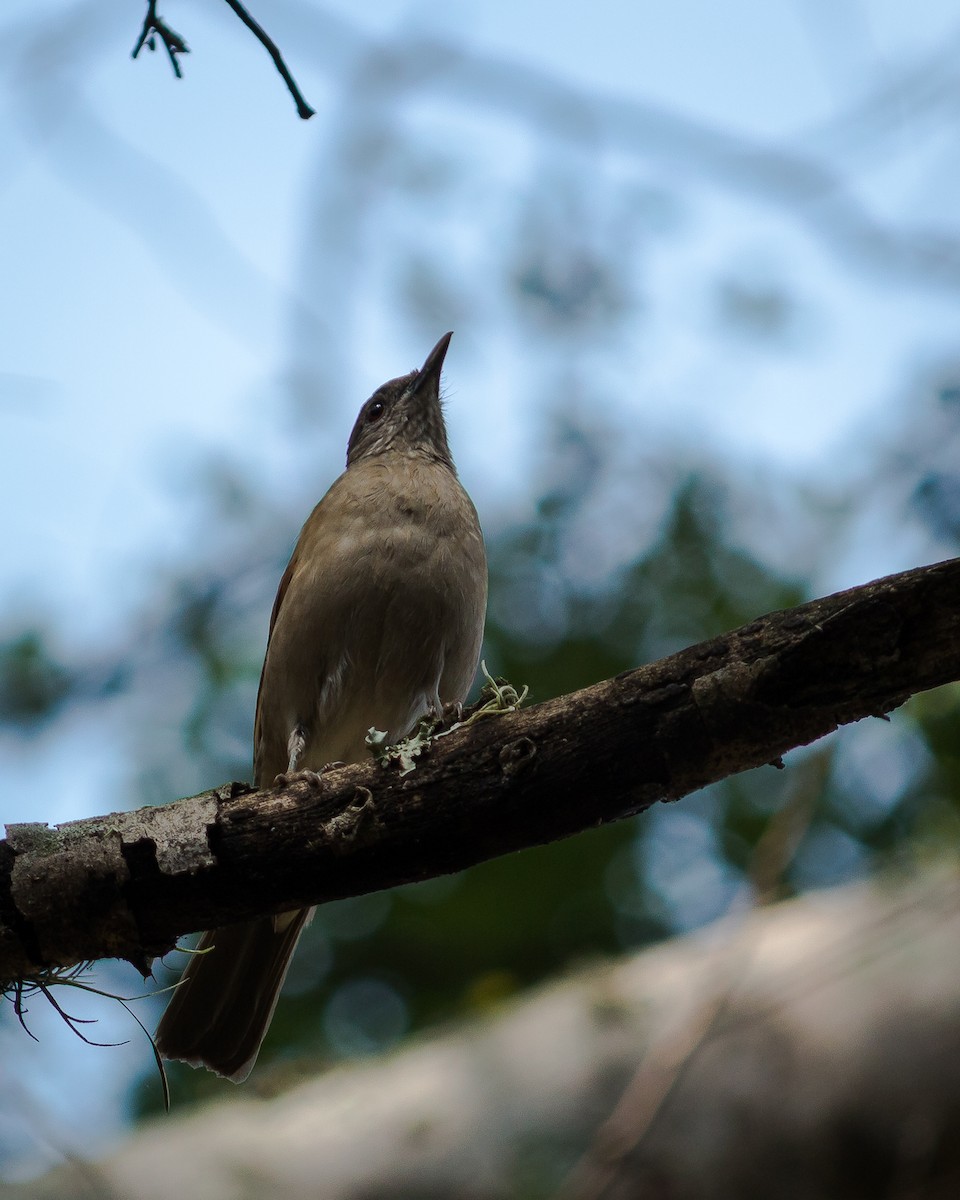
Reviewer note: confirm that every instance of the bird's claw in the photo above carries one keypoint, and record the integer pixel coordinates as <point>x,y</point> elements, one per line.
<point>285,778</point>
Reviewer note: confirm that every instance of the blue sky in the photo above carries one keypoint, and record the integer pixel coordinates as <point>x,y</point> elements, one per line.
<point>150,233</point>
<point>125,353</point>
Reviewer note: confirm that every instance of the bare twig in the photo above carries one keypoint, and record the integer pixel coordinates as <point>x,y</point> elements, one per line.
<point>304,111</point>
<point>172,41</point>
<point>653,1082</point>
<point>663,1066</point>
<point>154,26</point>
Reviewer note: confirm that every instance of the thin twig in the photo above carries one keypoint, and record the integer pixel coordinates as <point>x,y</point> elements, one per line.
<point>662,1068</point>
<point>172,41</point>
<point>174,44</point>
<point>654,1081</point>
<point>304,111</point>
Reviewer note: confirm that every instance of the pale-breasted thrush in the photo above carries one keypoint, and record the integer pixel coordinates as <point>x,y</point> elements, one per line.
<point>377,622</point>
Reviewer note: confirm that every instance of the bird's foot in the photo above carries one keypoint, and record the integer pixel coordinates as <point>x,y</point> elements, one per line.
<point>285,778</point>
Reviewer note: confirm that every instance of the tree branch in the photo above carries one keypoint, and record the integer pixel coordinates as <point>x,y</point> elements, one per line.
<point>174,45</point>
<point>129,884</point>
<point>304,111</point>
<point>153,27</point>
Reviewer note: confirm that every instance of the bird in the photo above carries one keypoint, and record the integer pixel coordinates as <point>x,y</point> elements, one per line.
<point>377,623</point>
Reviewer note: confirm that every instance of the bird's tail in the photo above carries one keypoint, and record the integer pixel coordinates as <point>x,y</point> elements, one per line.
<point>221,1010</point>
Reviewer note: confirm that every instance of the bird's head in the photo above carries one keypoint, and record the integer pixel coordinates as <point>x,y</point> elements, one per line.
<point>405,415</point>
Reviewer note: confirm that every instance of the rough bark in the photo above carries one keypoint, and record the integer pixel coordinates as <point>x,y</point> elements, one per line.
<point>820,1060</point>
<point>129,884</point>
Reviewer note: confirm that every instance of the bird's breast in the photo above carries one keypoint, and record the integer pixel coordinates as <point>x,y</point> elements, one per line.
<point>383,616</point>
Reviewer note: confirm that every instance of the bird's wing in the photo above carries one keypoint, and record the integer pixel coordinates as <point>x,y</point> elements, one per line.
<point>281,593</point>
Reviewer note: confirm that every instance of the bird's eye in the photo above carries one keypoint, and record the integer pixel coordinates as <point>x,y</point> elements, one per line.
<point>374,412</point>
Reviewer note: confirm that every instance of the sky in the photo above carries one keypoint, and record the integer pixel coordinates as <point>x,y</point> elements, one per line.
<point>150,232</point>
<point>124,353</point>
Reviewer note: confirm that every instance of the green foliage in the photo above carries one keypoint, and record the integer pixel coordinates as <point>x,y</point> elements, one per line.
<point>33,685</point>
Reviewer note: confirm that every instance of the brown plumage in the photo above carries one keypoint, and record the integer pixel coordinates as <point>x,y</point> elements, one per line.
<point>378,620</point>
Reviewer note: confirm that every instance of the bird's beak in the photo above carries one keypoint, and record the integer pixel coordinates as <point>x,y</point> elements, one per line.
<point>428,378</point>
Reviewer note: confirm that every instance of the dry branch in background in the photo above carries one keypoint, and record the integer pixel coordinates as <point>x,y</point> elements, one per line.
<point>833,1072</point>
<point>129,884</point>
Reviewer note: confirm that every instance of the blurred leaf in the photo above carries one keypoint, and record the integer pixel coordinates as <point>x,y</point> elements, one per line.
<point>33,685</point>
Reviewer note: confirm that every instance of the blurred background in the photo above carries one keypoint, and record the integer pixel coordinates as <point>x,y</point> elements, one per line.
<point>703,267</point>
